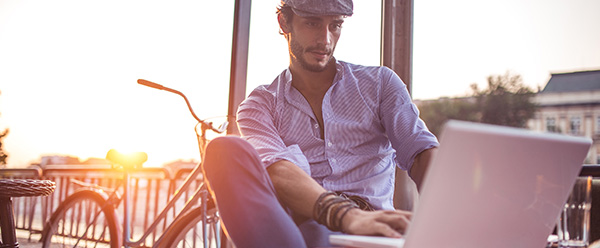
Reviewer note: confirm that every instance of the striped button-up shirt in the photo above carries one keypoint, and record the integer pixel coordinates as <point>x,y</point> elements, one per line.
<point>370,124</point>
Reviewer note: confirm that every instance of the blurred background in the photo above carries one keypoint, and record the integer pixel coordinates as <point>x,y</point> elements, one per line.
<point>68,68</point>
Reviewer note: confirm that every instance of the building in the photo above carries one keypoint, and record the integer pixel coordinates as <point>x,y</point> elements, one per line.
<point>570,104</point>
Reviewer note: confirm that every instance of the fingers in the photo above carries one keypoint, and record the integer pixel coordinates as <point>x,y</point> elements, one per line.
<point>387,231</point>
<point>397,212</point>
<point>396,220</point>
<point>389,223</point>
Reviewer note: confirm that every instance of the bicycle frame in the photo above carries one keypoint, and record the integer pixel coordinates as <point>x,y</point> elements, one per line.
<point>122,238</point>
<point>201,193</point>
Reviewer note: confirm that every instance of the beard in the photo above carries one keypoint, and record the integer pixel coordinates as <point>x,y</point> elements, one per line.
<point>298,51</point>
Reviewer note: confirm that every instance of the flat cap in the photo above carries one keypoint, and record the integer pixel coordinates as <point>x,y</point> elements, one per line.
<point>306,8</point>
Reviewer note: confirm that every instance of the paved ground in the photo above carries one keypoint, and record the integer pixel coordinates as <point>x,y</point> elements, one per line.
<point>22,236</point>
<point>24,244</point>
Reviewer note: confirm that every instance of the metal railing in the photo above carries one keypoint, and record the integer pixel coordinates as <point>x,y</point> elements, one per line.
<point>151,189</point>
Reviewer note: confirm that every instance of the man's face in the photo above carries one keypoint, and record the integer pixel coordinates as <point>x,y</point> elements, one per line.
<point>312,40</point>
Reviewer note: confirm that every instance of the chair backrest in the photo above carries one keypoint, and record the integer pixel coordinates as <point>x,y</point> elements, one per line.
<point>595,212</point>
<point>594,171</point>
<point>406,194</point>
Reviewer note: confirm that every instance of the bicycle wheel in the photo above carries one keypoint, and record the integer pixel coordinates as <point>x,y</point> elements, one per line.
<point>84,219</point>
<point>188,231</point>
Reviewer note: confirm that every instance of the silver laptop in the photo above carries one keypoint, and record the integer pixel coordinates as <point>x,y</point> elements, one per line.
<point>489,186</point>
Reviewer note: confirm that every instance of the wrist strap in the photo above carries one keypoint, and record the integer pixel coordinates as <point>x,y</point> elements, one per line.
<point>330,209</point>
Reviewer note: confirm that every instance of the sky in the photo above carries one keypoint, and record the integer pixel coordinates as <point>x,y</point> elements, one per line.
<point>68,68</point>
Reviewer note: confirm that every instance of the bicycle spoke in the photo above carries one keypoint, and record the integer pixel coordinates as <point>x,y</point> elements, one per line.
<point>85,219</point>
<point>188,232</point>
<point>92,224</point>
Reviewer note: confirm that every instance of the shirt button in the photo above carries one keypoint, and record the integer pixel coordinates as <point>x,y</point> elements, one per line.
<point>333,161</point>
<point>329,144</point>
<point>316,126</point>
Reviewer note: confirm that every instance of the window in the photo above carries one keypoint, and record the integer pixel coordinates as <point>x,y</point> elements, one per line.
<point>551,124</point>
<point>598,125</point>
<point>575,125</point>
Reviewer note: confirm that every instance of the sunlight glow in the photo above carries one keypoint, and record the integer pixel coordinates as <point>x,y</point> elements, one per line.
<point>69,67</point>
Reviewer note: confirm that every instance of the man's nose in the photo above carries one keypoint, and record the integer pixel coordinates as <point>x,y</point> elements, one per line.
<point>324,36</point>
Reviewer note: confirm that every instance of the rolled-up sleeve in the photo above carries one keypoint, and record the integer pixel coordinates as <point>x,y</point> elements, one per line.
<point>256,121</point>
<point>407,133</point>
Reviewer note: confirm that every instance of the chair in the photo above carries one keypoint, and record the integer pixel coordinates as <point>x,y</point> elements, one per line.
<point>17,188</point>
<point>595,211</point>
<point>406,194</point>
<point>594,171</point>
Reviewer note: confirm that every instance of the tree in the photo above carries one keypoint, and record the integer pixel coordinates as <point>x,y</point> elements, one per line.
<point>436,113</point>
<point>506,101</point>
<point>3,155</point>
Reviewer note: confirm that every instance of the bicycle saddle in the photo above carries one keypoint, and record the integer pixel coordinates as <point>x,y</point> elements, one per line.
<point>127,160</point>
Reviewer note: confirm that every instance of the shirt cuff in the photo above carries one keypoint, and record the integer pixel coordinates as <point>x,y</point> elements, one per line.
<point>291,153</point>
<point>412,159</point>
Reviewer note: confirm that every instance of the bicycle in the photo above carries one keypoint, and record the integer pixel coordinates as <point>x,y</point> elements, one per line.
<point>88,217</point>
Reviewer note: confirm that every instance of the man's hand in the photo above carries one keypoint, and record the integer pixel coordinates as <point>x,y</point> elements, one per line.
<point>299,192</point>
<point>389,223</point>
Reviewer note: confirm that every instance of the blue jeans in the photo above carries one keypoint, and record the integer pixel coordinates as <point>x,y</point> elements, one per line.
<point>251,213</point>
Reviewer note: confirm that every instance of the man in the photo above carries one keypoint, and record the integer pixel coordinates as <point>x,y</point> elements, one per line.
<point>322,129</point>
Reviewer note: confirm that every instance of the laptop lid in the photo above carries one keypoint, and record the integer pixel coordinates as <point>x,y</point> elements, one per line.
<point>493,186</point>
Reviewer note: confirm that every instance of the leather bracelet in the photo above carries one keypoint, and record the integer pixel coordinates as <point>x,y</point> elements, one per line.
<point>335,220</point>
<point>341,218</point>
<point>328,207</point>
<point>318,204</point>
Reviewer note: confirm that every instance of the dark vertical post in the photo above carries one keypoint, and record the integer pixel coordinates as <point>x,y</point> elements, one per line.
<point>396,41</point>
<point>239,60</point>
<point>396,53</point>
<point>7,222</point>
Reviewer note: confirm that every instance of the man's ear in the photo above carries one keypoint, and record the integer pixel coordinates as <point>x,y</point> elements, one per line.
<point>282,24</point>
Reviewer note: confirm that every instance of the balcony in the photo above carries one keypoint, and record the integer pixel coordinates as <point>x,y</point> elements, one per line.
<point>151,189</point>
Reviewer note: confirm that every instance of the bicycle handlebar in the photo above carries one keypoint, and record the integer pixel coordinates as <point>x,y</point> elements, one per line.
<point>150,84</point>
<point>160,87</point>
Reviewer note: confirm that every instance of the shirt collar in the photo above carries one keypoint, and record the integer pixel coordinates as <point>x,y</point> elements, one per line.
<point>287,75</point>
<point>292,95</point>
